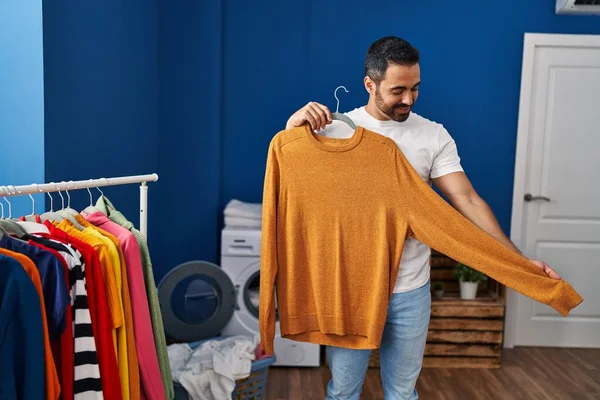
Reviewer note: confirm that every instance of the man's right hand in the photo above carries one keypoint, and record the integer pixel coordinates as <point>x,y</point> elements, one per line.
<point>316,114</point>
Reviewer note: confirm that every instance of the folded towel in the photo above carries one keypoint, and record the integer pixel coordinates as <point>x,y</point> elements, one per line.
<point>238,222</point>
<point>237,208</point>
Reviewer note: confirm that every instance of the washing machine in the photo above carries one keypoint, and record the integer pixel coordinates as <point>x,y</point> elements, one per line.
<point>200,300</point>
<point>240,259</point>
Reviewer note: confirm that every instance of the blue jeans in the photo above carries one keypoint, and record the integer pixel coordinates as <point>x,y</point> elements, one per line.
<point>400,353</point>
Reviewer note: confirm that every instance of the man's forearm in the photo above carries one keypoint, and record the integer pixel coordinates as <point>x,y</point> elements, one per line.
<point>478,212</point>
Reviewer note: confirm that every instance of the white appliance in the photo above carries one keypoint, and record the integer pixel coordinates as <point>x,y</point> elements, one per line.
<point>240,260</point>
<point>590,7</point>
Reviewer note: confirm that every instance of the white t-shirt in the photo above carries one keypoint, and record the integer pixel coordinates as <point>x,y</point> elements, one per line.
<point>431,151</point>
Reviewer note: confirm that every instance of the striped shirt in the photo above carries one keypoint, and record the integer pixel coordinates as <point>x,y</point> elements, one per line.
<point>87,384</point>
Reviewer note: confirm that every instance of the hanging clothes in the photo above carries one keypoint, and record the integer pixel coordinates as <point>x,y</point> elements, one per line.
<point>119,269</point>
<point>105,206</point>
<point>91,311</point>
<point>51,376</point>
<point>86,374</point>
<point>99,311</point>
<point>62,348</point>
<point>150,375</point>
<point>22,342</point>
<point>54,286</point>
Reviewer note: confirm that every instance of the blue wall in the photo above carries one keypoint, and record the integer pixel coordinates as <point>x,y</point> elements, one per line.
<point>190,64</point>
<point>471,68</point>
<point>21,99</point>
<point>229,83</point>
<point>101,98</point>
<point>196,90</point>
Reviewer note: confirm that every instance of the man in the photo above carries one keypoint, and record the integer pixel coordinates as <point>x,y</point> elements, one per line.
<point>392,78</point>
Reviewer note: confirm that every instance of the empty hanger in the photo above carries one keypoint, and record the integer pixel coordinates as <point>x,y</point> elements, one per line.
<point>339,116</point>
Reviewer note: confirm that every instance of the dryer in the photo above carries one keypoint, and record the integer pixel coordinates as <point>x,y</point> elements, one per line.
<point>200,300</point>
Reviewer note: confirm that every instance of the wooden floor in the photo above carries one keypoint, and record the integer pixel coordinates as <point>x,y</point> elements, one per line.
<point>526,374</point>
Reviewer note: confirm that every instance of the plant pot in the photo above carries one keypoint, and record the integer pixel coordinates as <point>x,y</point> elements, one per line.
<point>439,294</point>
<point>468,290</point>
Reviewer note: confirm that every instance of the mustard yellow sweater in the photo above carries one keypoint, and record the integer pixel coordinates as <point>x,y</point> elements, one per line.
<point>336,213</point>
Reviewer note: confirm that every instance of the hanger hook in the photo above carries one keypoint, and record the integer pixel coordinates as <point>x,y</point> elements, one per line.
<point>62,199</point>
<point>67,191</point>
<point>10,192</point>
<point>13,190</point>
<point>68,195</point>
<point>101,192</point>
<point>32,199</point>
<point>90,193</point>
<point>51,202</point>
<point>2,206</point>
<point>5,189</point>
<point>337,108</point>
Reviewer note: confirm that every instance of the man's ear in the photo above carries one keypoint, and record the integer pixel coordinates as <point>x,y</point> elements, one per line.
<point>370,85</point>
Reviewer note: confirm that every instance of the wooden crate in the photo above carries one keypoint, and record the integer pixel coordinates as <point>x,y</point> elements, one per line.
<point>462,333</point>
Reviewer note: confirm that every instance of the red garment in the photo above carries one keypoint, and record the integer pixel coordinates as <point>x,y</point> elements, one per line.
<point>98,304</point>
<point>62,348</point>
<point>37,219</point>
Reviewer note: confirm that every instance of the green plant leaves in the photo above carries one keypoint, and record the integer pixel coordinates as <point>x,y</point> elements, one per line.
<point>468,274</point>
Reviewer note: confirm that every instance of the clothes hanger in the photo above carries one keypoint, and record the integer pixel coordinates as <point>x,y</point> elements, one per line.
<point>51,215</point>
<point>64,214</point>
<point>69,209</point>
<point>91,208</point>
<point>32,217</point>
<point>31,226</point>
<point>2,231</point>
<point>2,219</point>
<point>9,225</point>
<point>339,116</point>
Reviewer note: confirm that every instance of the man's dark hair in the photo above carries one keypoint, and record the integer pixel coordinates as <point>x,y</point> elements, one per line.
<point>388,50</point>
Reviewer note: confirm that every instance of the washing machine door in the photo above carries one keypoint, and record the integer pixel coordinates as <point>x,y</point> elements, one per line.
<point>197,299</point>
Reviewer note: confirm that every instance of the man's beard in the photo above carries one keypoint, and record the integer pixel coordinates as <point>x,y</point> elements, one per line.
<point>390,110</point>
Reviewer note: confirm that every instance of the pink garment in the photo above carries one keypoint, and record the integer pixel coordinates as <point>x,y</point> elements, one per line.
<point>151,378</point>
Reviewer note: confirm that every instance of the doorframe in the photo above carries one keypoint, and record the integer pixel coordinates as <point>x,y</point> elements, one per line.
<point>517,233</point>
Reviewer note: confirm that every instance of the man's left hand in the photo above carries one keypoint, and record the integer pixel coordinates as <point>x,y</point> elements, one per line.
<point>546,268</point>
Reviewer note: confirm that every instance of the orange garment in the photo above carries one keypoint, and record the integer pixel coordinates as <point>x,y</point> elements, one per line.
<point>52,382</point>
<point>112,292</point>
<point>132,360</point>
<point>121,336</point>
<point>336,214</point>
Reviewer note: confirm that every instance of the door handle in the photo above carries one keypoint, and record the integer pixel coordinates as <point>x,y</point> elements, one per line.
<point>530,197</point>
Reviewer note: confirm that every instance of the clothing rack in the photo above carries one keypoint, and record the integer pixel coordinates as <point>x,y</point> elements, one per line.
<point>10,190</point>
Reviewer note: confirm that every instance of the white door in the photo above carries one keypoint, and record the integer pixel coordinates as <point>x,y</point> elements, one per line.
<point>556,204</point>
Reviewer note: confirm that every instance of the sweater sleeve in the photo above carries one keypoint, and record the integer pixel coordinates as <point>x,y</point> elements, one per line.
<point>268,254</point>
<point>436,223</point>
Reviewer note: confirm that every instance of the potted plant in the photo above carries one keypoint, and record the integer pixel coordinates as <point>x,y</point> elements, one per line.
<point>438,289</point>
<point>469,280</point>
